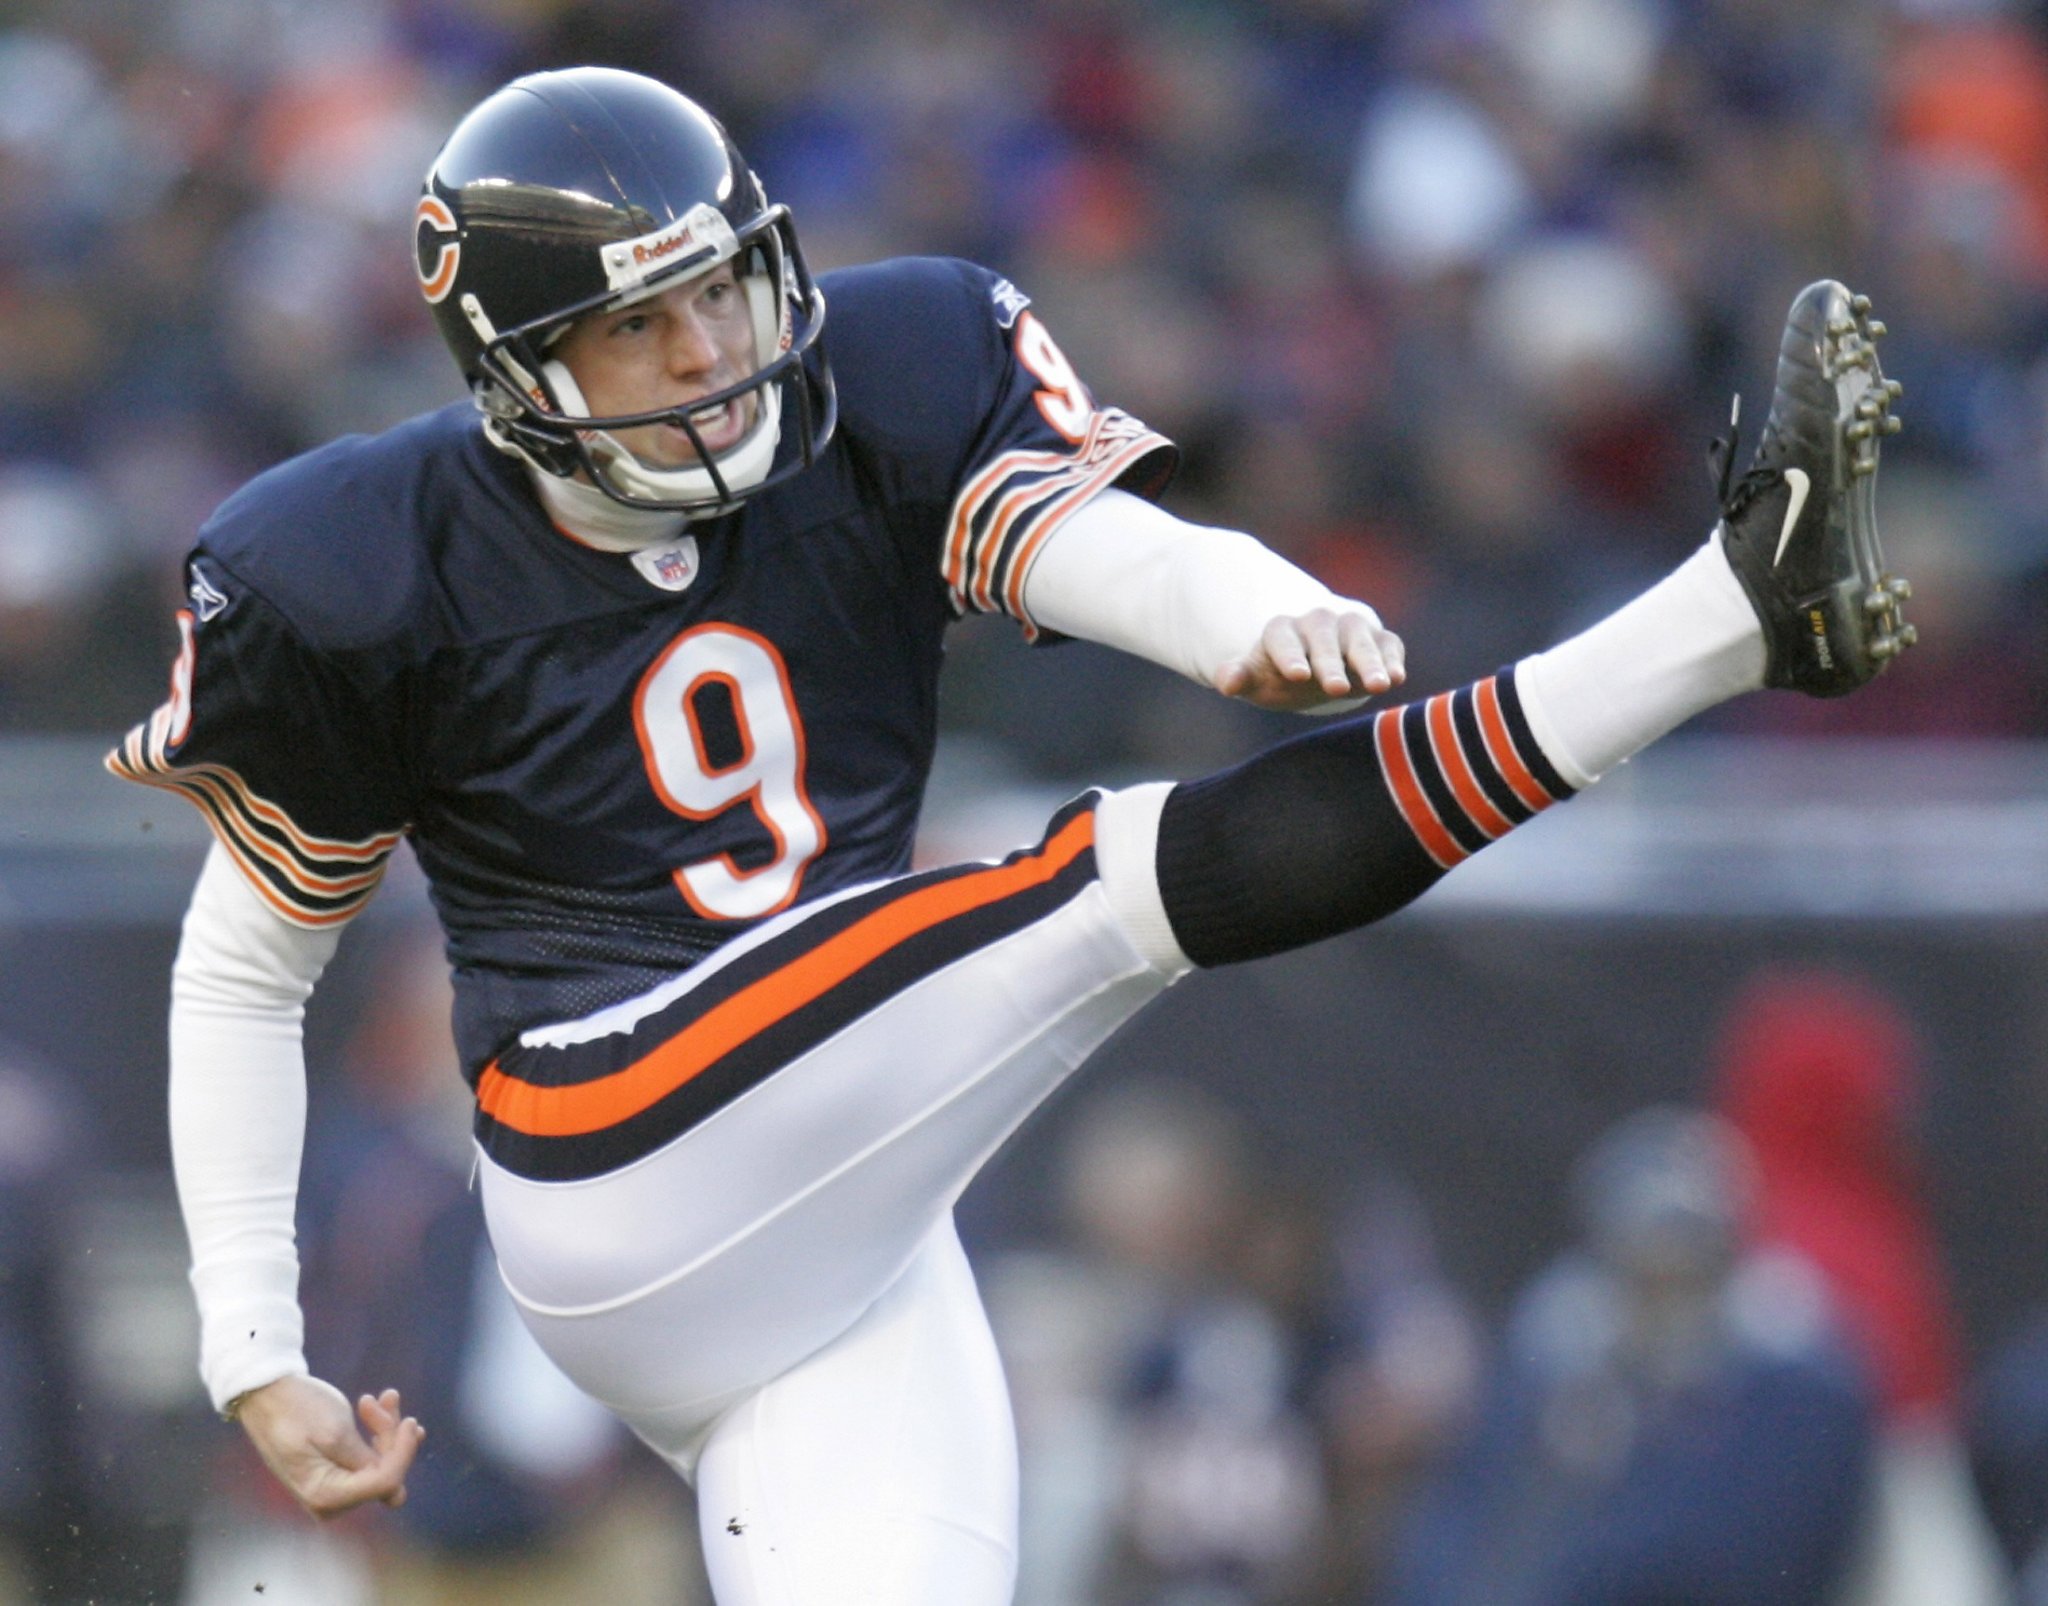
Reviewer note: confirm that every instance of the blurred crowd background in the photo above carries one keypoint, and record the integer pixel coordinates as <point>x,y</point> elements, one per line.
<point>1444,298</point>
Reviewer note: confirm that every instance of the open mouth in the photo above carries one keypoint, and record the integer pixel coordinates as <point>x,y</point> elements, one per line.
<point>718,430</point>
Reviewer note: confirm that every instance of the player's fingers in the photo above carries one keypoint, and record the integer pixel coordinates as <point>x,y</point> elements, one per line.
<point>392,1433</point>
<point>1362,656</point>
<point>1322,636</point>
<point>406,1440</point>
<point>395,1437</point>
<point>382,1480</point>
<point>1285,649</point>
<point>1232,679</point>
<point>1367,652</point>
<point>1393,651</point>
<point>388,1425</point>
<point>379,1411</point>
<point>357,1472</point>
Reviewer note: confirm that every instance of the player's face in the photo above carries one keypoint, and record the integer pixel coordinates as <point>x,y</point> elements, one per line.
<point>690,340</point>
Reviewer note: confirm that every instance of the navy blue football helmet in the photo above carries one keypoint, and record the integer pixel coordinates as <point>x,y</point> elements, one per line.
<point>586,190</point>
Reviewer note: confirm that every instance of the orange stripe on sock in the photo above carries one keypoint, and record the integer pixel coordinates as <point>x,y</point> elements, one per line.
<point>1500,746</point>
<point>1457,770</point>
<point>557,1112</point>
<point>1438,843</point>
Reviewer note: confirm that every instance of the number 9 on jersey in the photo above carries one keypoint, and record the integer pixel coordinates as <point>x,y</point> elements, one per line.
<point>766,774</point>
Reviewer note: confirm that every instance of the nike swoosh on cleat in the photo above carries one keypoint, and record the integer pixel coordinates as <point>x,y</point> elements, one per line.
<point>1796,478</point>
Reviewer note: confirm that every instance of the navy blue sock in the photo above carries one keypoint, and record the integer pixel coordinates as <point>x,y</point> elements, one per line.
<point>1346,824</point>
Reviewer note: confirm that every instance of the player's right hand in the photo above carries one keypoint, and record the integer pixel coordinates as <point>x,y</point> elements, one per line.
<point>1305,661</point>
<point>306,1435</point>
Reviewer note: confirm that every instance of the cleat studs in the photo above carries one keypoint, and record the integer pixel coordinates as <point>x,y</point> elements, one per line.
<point>1869,407</point>
<point>1893,425</point>
<point>1882,647</point>
<point>1863,465</point>
<point>1877,603</point>
<point>1894,388</point>
<point>1841,326</point>
<point>1859,305</point>
<point>1907,636</point>
<point>1899,586</point>
<point>1876,329</point>
<point>1862,431</point>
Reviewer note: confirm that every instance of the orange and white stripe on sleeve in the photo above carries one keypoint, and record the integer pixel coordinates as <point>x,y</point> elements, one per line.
<point>1013,503</point>
<point>310,880</point>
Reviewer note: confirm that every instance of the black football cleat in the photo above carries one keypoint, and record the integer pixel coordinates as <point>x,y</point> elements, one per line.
<point>1800,526</point>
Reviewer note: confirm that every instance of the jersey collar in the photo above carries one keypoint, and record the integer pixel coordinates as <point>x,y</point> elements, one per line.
<point>587,516</point>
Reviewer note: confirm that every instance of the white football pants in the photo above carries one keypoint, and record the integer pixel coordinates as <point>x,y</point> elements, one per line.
<point>776,1300</point>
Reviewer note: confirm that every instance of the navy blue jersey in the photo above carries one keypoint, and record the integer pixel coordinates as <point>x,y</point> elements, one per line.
<point>609,764</point>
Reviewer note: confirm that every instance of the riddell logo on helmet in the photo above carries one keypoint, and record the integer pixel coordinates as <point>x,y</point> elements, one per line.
<point>644,254</point>
<point>701,235</point>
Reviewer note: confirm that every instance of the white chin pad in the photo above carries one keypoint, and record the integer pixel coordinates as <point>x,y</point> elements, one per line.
<point>741,466</point>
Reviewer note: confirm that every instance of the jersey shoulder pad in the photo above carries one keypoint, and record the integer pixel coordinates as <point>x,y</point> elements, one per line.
<point>339,539</point>
<point>919,347</point>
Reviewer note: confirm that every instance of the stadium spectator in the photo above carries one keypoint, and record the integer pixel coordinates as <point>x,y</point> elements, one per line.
<point>1156,1387</point>
<point>1668,1419</point>
<point>195,202</point>
<point>1820,1071</point>
<point>1224,1390</point>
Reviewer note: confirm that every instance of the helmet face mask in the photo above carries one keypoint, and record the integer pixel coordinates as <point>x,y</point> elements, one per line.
<point>574,193</point>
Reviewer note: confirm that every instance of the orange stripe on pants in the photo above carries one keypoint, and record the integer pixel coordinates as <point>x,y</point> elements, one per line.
<point>555,1112</point>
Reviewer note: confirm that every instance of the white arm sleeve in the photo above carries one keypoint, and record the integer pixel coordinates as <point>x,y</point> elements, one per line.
<point>238,1119</point>
<point>1130,575</point>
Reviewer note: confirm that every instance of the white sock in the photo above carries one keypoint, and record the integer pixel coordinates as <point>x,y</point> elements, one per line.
<point>1691,641</point>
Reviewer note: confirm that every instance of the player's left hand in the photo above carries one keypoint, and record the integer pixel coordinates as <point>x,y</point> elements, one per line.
<point>1308,660</point>
<point>303,1429</point>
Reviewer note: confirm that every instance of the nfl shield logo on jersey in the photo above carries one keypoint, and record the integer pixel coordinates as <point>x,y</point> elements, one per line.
<point>672,567</point>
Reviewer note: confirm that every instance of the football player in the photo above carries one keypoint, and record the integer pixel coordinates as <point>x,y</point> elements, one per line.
<point>639,650</point>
